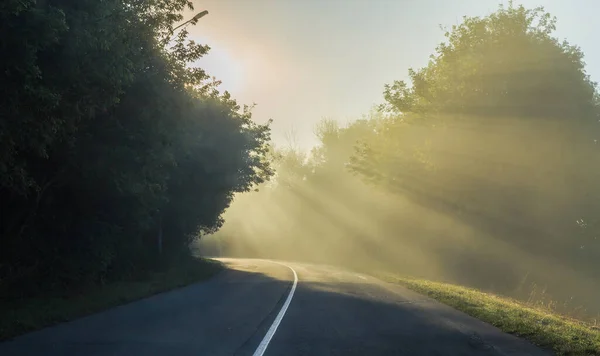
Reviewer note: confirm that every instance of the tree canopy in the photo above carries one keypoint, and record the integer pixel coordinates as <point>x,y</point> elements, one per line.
<point>506,64</point>
<point>497,131</point>
<point>114,151</point>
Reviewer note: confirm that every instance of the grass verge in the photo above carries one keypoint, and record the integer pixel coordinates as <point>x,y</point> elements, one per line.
<point>21,316</point>
<point>548,330</point>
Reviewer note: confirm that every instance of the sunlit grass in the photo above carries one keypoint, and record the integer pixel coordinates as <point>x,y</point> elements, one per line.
<point>21,316</point>
<point>549,330</point>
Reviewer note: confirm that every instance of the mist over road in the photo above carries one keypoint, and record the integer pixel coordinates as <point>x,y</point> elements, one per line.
<point>255,308</point>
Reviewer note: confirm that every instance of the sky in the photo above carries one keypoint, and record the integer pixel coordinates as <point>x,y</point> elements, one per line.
<point>302,60</point>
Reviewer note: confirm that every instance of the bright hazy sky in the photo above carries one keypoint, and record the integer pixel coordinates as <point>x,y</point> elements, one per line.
<point>301,60</point>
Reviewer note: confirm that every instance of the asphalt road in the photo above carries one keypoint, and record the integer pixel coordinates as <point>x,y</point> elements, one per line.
<point>257,307</point>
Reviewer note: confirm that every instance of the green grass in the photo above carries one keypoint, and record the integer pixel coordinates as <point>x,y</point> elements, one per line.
<point>548,330</point>
<point>21,316</point>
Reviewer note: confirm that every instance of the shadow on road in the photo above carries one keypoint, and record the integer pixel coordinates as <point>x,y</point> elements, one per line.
<point>332,313</point>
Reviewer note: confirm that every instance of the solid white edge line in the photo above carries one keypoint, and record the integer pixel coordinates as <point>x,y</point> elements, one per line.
<point>269,335</point>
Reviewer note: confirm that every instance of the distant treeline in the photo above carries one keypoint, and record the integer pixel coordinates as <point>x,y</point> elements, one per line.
<point>114,153</point>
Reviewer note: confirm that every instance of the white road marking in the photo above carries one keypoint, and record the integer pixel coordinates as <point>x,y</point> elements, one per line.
<point>265,341</point>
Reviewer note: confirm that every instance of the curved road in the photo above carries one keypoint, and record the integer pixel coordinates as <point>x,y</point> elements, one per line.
<point>256,308</point>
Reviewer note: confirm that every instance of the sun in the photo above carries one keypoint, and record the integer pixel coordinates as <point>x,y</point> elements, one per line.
<point>221,64</point>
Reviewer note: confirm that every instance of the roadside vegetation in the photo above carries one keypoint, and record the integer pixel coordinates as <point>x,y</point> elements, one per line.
<point>23,315</point>
<point>543,326</point>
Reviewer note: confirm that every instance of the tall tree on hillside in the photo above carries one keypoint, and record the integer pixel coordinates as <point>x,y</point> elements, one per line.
<point>503,65</point>
<point>490,70</point>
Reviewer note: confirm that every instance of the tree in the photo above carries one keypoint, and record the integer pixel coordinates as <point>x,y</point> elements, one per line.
<point>502,70</point>
<point>108,137</point>
<point>496,132</point>
<point>503,65</point>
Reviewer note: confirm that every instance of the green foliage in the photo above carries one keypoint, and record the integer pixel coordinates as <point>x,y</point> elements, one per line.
<point>503,65</point>
<point>494,74</point>
<point>542,326</point>
<point>497,132</point>
<point>108,139</point>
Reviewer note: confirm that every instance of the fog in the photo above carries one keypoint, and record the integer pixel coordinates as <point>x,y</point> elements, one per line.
<point>492,206</point>
<point>482,170</point>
